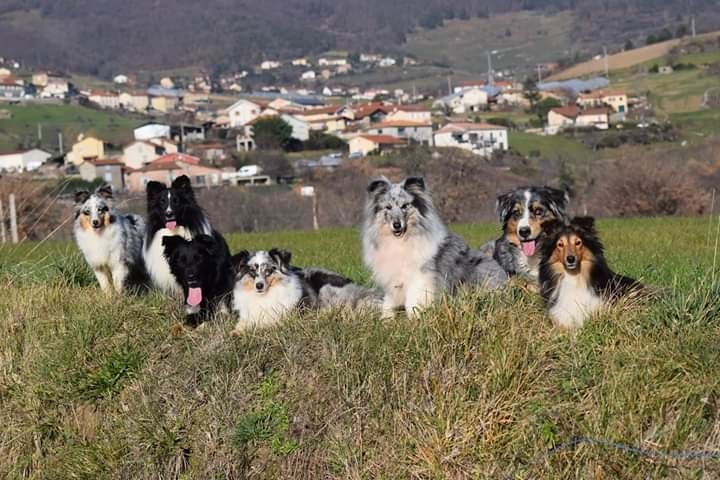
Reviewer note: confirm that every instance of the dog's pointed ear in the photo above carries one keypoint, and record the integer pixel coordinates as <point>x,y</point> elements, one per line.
<point>282,257</point>
<point>378,185</point>
<point>585,223</point>
<point>414,183</point>
<point>239,259</point>
<point>559,201</point>
<point>171,243</point>
<point>504,204</point>
<point>81,196</point>
<point>105,191</point>
<point>153,188</point>
<point>182,183</point>
<point>550,227</point>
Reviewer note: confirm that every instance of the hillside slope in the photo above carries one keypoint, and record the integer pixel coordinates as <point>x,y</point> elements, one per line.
<point>105,36</point>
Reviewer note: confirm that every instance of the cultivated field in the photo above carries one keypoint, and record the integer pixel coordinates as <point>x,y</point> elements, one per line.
<point>482,386</point>
<point>628,58</point>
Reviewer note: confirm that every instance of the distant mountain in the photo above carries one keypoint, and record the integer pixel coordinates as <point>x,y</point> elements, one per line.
<point>103,37</point>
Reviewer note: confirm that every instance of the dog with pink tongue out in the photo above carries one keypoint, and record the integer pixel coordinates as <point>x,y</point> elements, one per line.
<point>172,211</point>
<point>522,212</point>
<point>204,272</point>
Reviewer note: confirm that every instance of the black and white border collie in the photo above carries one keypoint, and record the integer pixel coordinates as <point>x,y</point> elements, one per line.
<point>575,279</point>
<point>173,211</point>
<point>204,272</point>
<point>522,212</point>
<point>110,241</point>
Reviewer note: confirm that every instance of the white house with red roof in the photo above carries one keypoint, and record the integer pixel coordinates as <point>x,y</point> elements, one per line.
<point>420,132</point>
<point>414,113</point>
<point>244,111</point>
<point>364,144</point>
<point>168,167</point>
<point>479,138</point>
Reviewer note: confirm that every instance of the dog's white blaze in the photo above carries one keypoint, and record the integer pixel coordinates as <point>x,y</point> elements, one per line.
<point>525,219</point>
<point>265,309</point>
<point>574,301</point>
<point>168,209</point>
<point>156,263</point>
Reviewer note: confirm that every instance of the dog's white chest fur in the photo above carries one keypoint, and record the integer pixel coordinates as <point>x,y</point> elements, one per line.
<point>255,309</point>
<point>101,249</point>
<point>156,263</point>
<point>574,302</point>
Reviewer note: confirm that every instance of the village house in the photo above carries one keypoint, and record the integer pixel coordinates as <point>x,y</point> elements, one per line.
<point>139,153</point>
<point>57,87</point>
<point>104,99</point>
<point>168,167</point>
<point>166,82</point>
<point>618,101</point>
<point>23,160</point>
<point>120,79</point>
<point>170,146</point>
<point>269,65</point>
<point>136,101</point>
<point>363,114</point>
<point>210,152</point>
<point>109,169</point>
<point>469,100</point>
<point>332,62</point>
<point>4,72</point>
<point>513,97</point>
<point>413,113</point>
<point>164,103</point>
<point>571,116</point>
<point>150,130</point>
<point>11,88</point>
<point>419,132</point>
<point>365,144</point>
<point>307,76</point>
<point>244,111</point>
<point>479,138</point>
<point>300,62</point>
<point>40,78</point>
<point>86,148</point>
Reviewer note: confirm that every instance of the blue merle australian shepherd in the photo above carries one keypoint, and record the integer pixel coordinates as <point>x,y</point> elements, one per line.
<point>110,241</point>
<point>173,211</point>
<point>522,212</point>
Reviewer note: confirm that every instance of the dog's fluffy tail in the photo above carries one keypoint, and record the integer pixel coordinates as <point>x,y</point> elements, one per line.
<point>334,290</point>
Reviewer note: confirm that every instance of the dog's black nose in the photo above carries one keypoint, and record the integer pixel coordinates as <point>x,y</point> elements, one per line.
<point>96,223</point>
<point>397,225</point>
<point>570,259</point>
<point>524,232</point>
<point>258,286</point>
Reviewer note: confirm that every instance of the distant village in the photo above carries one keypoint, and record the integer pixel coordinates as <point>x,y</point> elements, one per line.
<point>188,131</point>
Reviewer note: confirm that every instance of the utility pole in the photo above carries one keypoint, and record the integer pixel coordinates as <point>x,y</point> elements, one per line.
<point>692,25</point>
<point>13,220</point>
<point>3,235</point>
<point>490,75</point>
<point>539,70</point>
<point>449,85</point>
<point>40,132</point>
<point>607,70</point>
<point>60,143</point>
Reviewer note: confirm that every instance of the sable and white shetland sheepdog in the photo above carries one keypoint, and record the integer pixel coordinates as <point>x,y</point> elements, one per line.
<point>522,212</point>
<point>111,242</point>
<point>412,255</point>
<point>173,211</point>
<point>204,273</point>
<point>575,279</point>
<point>267,288</point>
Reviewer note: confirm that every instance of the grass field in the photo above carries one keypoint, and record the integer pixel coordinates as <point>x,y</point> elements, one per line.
<point>629,58</point>
<point>481,386</point>
<point>71,120</point>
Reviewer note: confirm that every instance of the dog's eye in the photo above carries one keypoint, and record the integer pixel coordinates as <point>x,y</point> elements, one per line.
<point>272,269</point>
<point>86,212</point>
<point>388,207</point>
<point>560,244</point>
<point>405,206</point>
<point>539,212</point>
<point>578,242</point>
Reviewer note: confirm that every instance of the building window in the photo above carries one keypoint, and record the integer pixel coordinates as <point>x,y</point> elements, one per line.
<point>200,180</point>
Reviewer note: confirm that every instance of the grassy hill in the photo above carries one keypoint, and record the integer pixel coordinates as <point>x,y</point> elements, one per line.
<point>630,58</point>
<point>22,128</point>
<point>481,386</point>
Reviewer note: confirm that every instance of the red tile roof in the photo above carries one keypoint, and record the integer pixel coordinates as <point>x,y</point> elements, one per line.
<point>398,123</point>
<point>176,157</point>
<point>571,111</point>
<point>384,139</point>
<point>105,161</point>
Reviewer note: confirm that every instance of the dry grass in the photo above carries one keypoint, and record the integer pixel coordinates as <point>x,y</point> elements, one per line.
<point>630,58</point>
<point>481,384</point>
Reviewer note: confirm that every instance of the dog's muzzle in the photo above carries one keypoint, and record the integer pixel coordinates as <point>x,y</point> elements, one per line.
<point>571,262</point>
<point>398,229</point>
<point>260,287</point>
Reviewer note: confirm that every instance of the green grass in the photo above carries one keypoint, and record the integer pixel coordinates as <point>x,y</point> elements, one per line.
<point>549,146</point>
<point>71,120</point>
<point>478,387</point>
